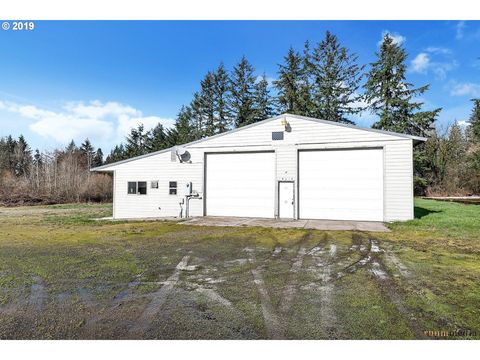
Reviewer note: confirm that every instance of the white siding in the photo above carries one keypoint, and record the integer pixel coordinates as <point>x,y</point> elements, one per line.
<point>305,134</point>
<point>399,180</point>
<point>302,132</point>
<point>161,168</point>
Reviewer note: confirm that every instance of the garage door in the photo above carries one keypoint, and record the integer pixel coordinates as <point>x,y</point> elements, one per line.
<point>240,184</point>
<point>341,184</point>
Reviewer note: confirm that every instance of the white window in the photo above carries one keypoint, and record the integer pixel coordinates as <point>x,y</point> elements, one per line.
<point>172,187</point>
<point>154,184</point>
<point>137,187</point>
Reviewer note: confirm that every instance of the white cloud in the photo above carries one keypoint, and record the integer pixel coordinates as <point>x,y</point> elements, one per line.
<point>396,37</point>
<point>438,50</point>
<point>463,123</point>
<point>466,89</point>
<point>423,62</point>
<point>269,79</point>
<point>420,63</point>
<point>104,123</point>
<point>97,109</point>
<point>460,30</point>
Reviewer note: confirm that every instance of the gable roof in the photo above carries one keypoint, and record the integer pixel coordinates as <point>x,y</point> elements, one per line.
<point>416,138</point>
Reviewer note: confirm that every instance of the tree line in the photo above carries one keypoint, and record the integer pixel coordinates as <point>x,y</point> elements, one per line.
<point>323,81</point>
<point>58,176</point>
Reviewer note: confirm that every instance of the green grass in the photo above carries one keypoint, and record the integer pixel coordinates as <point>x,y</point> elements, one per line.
<point>448,225</point>
<point>88,267</point>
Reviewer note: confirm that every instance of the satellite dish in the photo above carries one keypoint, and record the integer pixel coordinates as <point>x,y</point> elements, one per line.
<point>181,151</point>
<point>183,154</point>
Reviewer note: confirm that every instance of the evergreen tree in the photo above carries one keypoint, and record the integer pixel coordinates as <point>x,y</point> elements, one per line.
<point>390,96</point>
<point>136,142</point>
<point>264,105</point>
<point>306,86</point>
<point>98,158</point>
<point>474,120</point>
<point>7,148</point>
<point>118,153</point>
<point>22,157</point>
<point>197,117</point>
<point>71,147</point>
<point>183,130</point>
<point>88,152</point>
<point>37,159</point>
<point>336,79</point>
<point>223,116</point>
<point>242,87</point>
<point>291,85</point>
<point>156,139</point>
<point>207,104</point>
<point>37,166</point>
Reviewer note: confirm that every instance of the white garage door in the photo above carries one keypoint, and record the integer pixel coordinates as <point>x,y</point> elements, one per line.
<point>341,184</point>
<point>240,184</point>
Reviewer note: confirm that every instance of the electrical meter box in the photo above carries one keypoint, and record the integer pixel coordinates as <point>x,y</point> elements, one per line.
<point>188,189</point>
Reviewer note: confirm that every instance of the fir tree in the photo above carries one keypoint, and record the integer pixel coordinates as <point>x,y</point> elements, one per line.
<point>98,158</point>
<point>37,166</point>
<point>474,120</point>
<point>71,147</point>
<point>22,157</point>
<point>242,88</point>
<point>223,116</point>
<point>37,159</point>
<point>118,153</point>
<point>207,104</point>
<point>197,117</point>
<point>290,84</point>
<point>306,86</point>
<point>336,79</point>
<point>136,142</point>
<point>156,139</point>
<point>183,130</point>
<point>88,152</point>
<point>264,105</point>
<point>7,149</point>
<point>390,96</point>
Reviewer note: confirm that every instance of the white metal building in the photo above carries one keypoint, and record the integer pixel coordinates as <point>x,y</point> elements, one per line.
<point>288,167</point>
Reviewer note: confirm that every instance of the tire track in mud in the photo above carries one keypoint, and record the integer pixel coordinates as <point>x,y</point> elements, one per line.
<point>291,287</point>
<point>328,318</point>
<point>159,298</point>
<point>273,325</point>
<point>391,291</point>
<point>371,259</point>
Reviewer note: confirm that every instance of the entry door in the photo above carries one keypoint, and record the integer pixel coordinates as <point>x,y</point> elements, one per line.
<point>285,200</point>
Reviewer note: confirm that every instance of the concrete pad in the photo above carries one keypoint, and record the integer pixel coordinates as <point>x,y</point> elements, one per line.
<point>333,225</point>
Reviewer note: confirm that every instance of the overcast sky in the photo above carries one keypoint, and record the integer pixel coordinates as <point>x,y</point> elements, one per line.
<point>72,80</point>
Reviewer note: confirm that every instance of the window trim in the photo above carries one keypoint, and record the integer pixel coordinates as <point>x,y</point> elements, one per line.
<point>175,188</point>
<point>136,187</point>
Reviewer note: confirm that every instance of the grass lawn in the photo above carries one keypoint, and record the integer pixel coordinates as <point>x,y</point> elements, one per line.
<point>65,276</point>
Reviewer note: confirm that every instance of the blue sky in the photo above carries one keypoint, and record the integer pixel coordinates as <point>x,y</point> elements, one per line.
<point>77,79</point>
